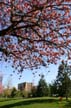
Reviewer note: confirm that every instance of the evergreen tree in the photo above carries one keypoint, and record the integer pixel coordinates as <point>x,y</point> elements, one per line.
<point>42,88</point>
<point>53,89</point>
<point>63,82</point>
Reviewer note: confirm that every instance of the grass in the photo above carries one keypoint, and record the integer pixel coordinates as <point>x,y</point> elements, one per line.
<point>34,103</point>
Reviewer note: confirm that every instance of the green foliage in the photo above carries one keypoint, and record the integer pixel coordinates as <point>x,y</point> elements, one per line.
<point>13,92</point>
<point>62,84</point>
<point>42,88</point>
<point>18,93</point>
<point>53,89</point>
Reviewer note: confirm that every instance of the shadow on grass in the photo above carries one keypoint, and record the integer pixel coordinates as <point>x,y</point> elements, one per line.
<point>28,102</point>
<point>68,105</point>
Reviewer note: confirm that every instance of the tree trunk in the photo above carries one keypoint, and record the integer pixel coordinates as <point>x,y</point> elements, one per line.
<point>66,96</point>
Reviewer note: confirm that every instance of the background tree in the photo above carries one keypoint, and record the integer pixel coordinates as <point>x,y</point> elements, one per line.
<point>7,87</point>
<point>53,89</point>
<point>31,30</point>
<point>13,92</point>
<point>34,91</point>
<point>7,93</point>
<point>42,88</point>
<point>19,94</point>
<point>63,81</point>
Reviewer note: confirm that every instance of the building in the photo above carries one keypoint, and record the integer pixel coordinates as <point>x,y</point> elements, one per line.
<point>25,86</point>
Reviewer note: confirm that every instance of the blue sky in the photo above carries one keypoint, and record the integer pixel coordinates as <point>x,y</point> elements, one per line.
<point>27,75</point>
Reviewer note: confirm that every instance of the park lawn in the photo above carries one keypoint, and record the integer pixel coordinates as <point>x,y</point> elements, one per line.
<point>34,103</point>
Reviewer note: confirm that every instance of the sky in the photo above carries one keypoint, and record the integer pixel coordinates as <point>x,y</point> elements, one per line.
<point>28,75</point>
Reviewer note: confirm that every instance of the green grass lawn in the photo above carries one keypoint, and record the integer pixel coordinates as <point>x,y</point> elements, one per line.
<point>34,103</point>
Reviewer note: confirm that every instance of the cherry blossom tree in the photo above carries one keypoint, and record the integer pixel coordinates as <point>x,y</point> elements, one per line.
<point>34,32</point>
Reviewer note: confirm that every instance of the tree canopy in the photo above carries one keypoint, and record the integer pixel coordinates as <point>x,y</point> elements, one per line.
<point>34,32</point>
